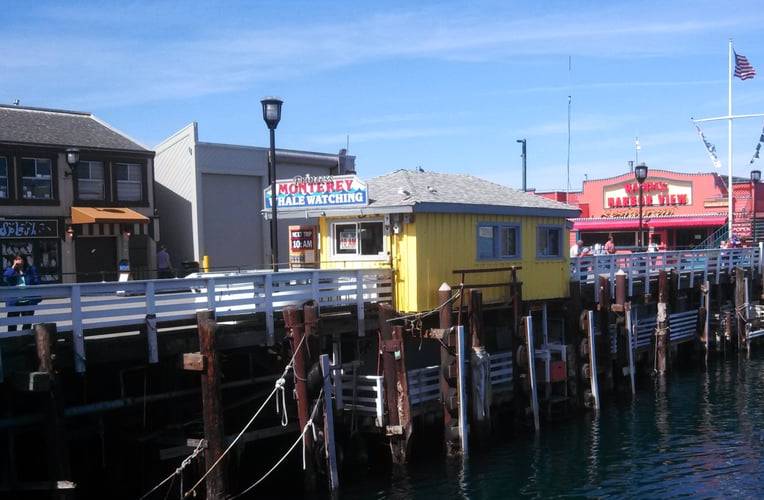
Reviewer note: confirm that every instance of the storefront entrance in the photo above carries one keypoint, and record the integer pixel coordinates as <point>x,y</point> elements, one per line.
<point>685,239</point>
<point>96,259</point>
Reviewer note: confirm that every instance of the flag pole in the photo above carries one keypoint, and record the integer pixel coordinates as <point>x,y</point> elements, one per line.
<point>729,143</point>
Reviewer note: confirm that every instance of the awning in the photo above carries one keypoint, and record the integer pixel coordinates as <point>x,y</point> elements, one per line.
<point>606,224</point>
<point>94,215</point>
<point>680,222</point>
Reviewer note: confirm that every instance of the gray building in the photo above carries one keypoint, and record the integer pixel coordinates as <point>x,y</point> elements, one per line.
<point>210,197</point>
<point>78,222</point>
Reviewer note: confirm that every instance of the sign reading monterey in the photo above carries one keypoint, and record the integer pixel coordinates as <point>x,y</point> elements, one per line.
<point>304,192</point>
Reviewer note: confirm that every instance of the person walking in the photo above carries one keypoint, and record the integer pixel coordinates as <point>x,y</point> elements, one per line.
<point>164,265</point>
<point>20,275</point>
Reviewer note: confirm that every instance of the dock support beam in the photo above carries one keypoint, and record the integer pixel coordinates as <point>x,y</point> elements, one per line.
<point>662,340</point>
<point>480,371</point>
<point>531,346</point>
<point>296,328</point>
<point>593,369</point>
<point>329,438</point>
<point>399,422</point>
<point>448,374</point>
<point>461,353</point>
<point>57,446</point>
<point>604,329</point>
<point>212,407</point>
<point>630,347</point>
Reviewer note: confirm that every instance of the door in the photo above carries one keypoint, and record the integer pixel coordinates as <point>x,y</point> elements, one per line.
<point>96,259</point>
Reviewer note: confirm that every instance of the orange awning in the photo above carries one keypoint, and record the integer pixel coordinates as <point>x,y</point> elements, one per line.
<point>93,215</point>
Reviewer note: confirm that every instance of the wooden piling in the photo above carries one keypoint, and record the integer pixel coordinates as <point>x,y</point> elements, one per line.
<point>448,374</point>
<point>603,345</point>
<point>480,370</point>
<point>56,439</point>
<point>593,368</point>
<point>741,308</point>
<point>212,407</point>
<point>399,427</point>
<point>293,323</point>
<point>662,341</point>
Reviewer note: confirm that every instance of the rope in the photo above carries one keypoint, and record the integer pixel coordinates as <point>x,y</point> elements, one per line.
<point>309,425</point>
<point>430,312</point>
<point>280,389</point>
<point>279,382</point>
<point>179,471</point>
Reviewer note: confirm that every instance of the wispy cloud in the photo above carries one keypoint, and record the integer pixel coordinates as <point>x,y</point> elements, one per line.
<point>388,135</point>
<point>128,68</point>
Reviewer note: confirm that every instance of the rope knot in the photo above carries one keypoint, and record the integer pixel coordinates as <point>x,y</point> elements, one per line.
<point>281,396</point>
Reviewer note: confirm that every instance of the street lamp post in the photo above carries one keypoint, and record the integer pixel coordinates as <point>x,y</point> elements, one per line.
<point>755,178</point>
<point>72,159</point>
<point>640,173</point>
<point>272,117</point>
<point>523,155</point>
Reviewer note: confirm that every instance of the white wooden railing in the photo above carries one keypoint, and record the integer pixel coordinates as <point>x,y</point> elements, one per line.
<point>692,265</point>
<point>85,307</point>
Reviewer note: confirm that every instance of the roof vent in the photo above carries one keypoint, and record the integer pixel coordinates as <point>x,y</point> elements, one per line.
<point>403,192</point>
<point>432,189</point>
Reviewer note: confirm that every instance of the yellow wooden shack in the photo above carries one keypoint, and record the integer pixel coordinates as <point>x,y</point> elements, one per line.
<point>425,225</point>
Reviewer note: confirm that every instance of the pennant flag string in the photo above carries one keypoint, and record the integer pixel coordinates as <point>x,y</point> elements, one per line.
<point>758,148</point>
<point>710,148</point>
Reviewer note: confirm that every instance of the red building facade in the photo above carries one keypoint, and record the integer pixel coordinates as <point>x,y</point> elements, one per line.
<point>679,210</point>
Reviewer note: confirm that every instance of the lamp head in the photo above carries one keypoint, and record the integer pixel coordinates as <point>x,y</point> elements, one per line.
<point>72,157</point>
<point>272,111</point>
<point>640,173</point>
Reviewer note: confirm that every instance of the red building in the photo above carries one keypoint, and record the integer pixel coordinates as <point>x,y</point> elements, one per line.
<point>679,210</point>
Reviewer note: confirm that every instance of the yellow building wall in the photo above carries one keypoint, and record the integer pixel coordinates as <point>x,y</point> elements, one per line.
<point>427,250</point>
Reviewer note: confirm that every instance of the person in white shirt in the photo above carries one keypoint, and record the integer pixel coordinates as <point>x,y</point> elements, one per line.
<point>575,250</point>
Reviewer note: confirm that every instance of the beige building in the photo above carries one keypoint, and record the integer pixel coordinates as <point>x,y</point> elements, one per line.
<point>78,221</point>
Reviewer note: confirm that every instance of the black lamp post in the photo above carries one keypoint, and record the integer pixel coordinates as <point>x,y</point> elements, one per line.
<point>640,173</point>
<point>72,159</point>
<point>755,178</point>
<point>272,117</point>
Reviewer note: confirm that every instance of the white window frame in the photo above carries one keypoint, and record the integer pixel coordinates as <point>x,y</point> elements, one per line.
<point>6,177</point>
<point>383,255</point>
<point>90,179</point>
<point>48,177</point>
<point>139,168</point>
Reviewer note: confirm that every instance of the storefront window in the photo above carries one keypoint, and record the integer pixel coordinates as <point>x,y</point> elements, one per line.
<point>3,177</point>
<point>359,238</point>
<point>129,181</point>
<point>90,180</point>
<point>36,179</point>
<point>498,241</point>
<point>549,242</point>
<point>43,254</point>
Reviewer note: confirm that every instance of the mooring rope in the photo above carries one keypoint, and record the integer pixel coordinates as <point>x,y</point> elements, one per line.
<point>425,314</point>
<point>179,471</point>
<point>308,425</point>
<point>279,384</point>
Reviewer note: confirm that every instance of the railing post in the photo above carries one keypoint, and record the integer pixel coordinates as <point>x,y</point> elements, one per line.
<point>269,326</point>
<point>78,335</point>
<point>151,323</point>
<point>359,304</point>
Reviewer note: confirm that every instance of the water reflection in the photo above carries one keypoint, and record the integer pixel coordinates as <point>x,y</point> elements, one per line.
<point>701,433</point>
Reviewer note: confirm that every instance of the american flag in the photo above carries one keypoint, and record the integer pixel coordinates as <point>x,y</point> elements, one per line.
<point>743,68</point>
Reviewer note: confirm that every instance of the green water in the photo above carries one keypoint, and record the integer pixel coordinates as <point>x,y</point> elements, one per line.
<point>701,436</point>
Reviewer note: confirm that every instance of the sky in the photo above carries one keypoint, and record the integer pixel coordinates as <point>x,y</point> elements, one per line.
<point>445,86</point>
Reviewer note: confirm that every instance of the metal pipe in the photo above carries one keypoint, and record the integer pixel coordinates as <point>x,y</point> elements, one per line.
<point>274,227</point>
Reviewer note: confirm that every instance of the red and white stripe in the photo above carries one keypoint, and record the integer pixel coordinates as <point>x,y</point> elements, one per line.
<point>743,68</point>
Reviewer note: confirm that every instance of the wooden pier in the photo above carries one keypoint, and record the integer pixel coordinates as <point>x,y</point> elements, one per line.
<point>184,367</point>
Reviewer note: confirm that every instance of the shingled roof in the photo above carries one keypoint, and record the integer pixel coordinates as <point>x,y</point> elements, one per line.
<point>419,191</point>
<point>52,127</point>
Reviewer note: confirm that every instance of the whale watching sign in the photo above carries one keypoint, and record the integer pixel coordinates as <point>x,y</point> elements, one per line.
<point>314,191</point>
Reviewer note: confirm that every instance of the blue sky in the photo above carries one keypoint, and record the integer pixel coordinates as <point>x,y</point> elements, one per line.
<point>448,86</point>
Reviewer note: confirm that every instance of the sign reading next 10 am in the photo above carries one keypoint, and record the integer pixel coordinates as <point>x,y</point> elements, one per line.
<point>307,192</point>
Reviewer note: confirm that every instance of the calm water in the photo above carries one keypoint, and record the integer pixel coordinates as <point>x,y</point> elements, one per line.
<point>702,437</point>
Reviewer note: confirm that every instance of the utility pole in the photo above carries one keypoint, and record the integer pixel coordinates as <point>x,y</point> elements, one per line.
<point>523,155</point>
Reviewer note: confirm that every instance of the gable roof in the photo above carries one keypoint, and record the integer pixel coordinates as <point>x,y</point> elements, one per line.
<point>54,127</point>
<point>458,193</point>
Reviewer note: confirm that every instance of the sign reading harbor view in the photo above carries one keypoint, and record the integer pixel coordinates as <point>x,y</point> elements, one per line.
<point>339,191</point>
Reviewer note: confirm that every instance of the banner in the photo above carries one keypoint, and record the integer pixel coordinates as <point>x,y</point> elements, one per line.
<point>311,192</point>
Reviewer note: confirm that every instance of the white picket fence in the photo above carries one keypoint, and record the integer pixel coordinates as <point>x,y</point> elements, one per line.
<point>86,307</point>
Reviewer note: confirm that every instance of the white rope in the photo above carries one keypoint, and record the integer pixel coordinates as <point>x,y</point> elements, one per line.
<point>312,426</point>
<point>179,471</point>
<point>251,420</point>
<point>308,425</point>
<point>280,389</point>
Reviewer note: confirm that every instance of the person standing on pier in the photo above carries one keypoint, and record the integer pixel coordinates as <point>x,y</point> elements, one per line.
<point>610,245</point>
<point>164,265</point>
<point>21,274</point>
